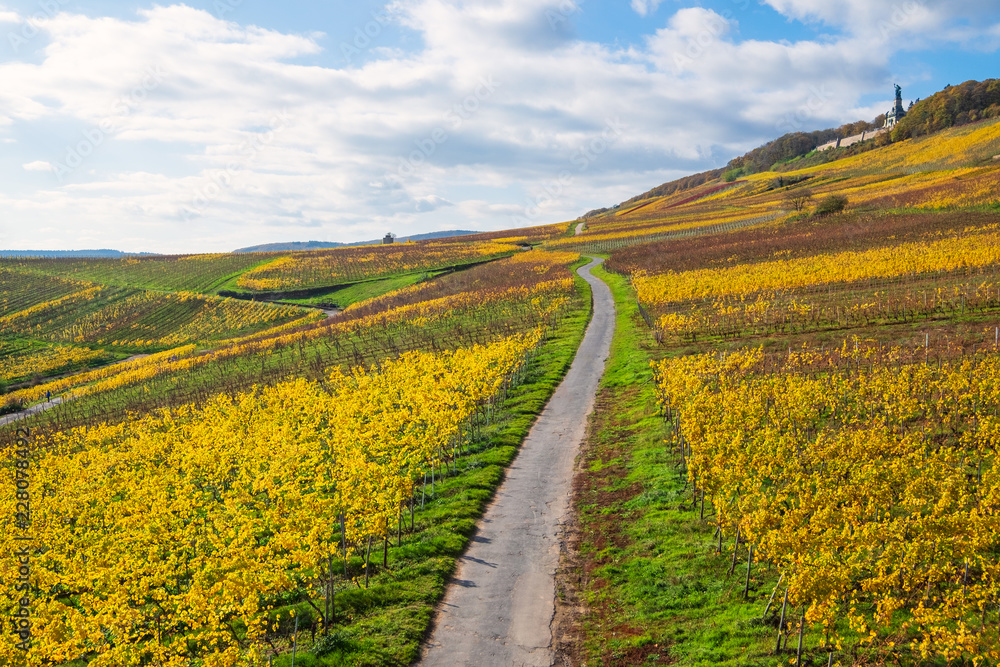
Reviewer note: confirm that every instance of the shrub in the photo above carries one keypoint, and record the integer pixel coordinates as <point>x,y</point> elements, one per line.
<point>831,204</point>
<point>733,174</point>
<point>12,406</point>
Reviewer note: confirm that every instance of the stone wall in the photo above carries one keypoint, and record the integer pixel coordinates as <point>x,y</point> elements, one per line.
<point>850,141</point>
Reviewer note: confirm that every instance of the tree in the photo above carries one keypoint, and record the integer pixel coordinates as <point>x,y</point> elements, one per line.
<point>798,199</point>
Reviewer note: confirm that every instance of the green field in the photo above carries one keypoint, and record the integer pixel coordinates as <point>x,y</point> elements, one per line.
<point>347,295</point>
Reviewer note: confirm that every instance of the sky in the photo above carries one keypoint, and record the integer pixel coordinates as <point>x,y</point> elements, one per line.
<point>218,124</point>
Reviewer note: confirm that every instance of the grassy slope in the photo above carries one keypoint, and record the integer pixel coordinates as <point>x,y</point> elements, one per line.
<point>342,297</point>
<point>654,588</point>
<point>388,621</point>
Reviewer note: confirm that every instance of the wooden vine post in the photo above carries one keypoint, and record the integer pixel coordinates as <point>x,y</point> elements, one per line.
<point>781,624</point>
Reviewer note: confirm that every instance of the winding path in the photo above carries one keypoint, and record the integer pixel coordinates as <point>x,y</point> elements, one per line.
<point>33,410</point>
<point>499,606</point>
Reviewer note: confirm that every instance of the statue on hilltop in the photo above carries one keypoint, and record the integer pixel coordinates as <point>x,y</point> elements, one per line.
<point>897,112</point>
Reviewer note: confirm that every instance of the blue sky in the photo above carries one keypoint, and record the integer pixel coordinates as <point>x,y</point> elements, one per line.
<point>216,124</point>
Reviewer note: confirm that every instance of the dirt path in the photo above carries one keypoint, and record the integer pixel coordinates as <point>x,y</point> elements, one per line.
<point>580,227</point>
<point>33,410</point>
<point>498,608</point>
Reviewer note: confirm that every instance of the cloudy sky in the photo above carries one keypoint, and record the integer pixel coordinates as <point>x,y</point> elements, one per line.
<point>216,124</point>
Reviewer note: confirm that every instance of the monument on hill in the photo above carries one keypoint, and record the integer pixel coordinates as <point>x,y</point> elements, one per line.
<point>897,112</point>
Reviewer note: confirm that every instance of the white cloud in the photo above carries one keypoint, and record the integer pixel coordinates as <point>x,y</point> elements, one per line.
<point>431,203</point>
<point>9,17</point>
<point>38,165</point>
<point>884,21</point>
<point>206,135</point>
<point>645,7</point>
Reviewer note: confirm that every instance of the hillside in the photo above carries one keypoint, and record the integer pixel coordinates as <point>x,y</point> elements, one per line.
<point>822,376</point>
<point>794,453</point>
<point>954,106</point>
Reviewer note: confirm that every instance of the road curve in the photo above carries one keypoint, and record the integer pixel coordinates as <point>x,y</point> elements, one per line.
<point>498,608</point>
<point>33,410</point>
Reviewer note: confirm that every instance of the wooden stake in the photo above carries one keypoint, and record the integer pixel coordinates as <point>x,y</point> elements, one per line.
<point>332,594</point>
<point>767,607</point>
<point>746,588</point>
<point>343,541</point>
<point>736,548</point>
<point>368,556</point>
<point>781,623</point>
<point>802,629</point>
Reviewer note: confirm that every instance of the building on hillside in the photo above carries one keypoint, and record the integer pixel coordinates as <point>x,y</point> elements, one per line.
<point>897,113</point>
<point>388,238</point>
<point>891,118</point>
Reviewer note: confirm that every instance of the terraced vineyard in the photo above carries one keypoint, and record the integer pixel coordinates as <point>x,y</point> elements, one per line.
<point>172,273</point>
<point>339,266</point>
<point>436,363</point>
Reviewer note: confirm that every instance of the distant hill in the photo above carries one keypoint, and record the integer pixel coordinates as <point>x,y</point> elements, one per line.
<point>321,245</point>
<point>291,245</point>
<point>82,254</point>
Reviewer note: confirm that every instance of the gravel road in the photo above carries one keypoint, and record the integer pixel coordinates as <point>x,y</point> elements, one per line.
<point>498,609</point>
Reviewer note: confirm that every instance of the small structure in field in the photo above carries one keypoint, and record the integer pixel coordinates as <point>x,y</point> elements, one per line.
<point>389,238</point>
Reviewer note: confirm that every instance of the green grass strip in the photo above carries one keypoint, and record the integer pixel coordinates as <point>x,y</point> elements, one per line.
<point>654,590</point>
